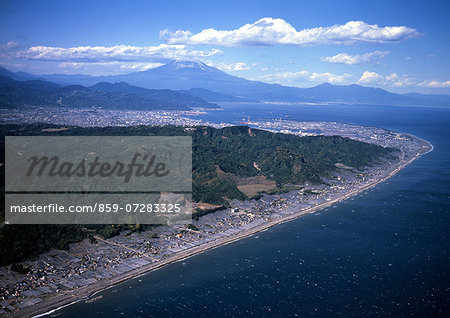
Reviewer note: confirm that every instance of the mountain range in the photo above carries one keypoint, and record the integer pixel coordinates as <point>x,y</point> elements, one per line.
<point>17,91</point>
<point>182,98</point>
<point>197,79</point>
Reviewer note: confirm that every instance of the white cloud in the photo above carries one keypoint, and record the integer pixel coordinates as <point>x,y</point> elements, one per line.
<point>114,53</point>
<point>331,78</point>
<point>344,58</point>
<point>9,45</point>
<point>105,68</point>
<point>403,81</point>
<point>435,84</point>
<point>241,67</point>
<point>306,75</point>
<point>269,31</point>
<point>392,79</point>
<point>230,67</point>
<point>8,49</point>
<point>399,81</point>
<point>370,77</point>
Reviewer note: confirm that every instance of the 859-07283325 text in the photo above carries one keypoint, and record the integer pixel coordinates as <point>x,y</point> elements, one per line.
<point>98,208</point>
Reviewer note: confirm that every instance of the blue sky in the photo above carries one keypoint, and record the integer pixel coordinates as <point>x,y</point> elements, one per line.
<point>401,46</point>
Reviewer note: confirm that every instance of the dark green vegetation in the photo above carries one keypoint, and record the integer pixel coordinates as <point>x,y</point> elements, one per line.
<point>167,95</point>
<point>285,159</point>
<point>109,96</point>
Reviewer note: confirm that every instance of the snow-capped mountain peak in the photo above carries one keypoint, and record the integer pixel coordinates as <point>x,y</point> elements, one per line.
<point>179,64</point>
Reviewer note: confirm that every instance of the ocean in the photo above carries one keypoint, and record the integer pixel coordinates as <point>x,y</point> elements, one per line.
<point>384,253</point>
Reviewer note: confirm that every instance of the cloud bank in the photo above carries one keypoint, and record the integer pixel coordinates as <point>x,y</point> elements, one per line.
<point>269,31</point>
<point>309,76</point>
<point>229,67</point>
<point>435,84</point>
<point>105,68</point>
<point>390,80</point>
<point>367,58</point>
<point>370,77</point>
<point>162,52</point>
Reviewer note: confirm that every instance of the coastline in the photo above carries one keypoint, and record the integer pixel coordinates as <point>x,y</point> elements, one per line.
<point>57,302</point>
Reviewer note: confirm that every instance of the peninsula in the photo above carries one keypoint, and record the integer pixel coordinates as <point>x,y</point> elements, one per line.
<point>252,197</point>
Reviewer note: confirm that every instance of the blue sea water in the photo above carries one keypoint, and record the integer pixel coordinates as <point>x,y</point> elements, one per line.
<point>384,253</point>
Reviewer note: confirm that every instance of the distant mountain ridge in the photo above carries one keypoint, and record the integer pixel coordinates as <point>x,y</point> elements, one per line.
<point>211,96</point>
<point>189,77</point>
<point>15,94</point>
<point>19,76</point>
<point>167,95</point>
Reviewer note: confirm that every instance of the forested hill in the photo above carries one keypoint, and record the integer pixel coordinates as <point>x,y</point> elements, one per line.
<point>121,96</point>
<point>167,95</point>
<point>243,152</point>
<point>223,160</point>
